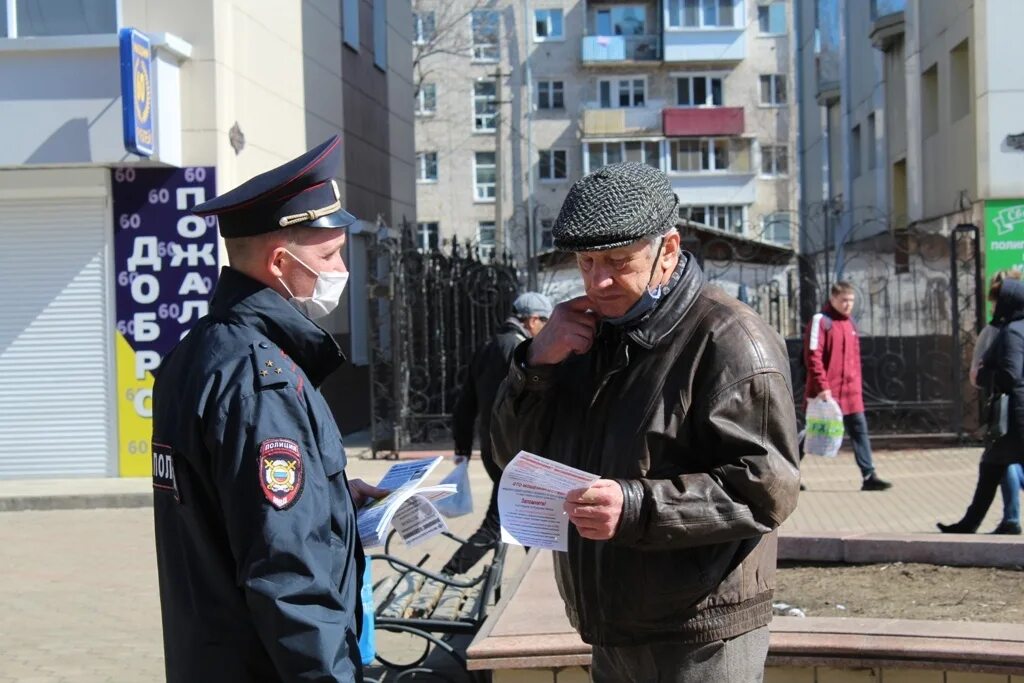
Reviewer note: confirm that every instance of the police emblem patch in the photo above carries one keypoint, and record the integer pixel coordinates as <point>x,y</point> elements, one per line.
<point>281,475</point>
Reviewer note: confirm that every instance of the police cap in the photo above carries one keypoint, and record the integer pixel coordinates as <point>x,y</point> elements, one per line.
<point>302,192</point>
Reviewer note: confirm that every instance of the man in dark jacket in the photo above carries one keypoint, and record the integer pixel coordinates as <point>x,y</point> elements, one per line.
<point>832,358</point>
<point>530,312</point>
<point>257,549</point>
<point>678,396</point>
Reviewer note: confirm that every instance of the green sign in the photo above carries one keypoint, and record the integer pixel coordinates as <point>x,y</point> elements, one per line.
<point>1004,238</point>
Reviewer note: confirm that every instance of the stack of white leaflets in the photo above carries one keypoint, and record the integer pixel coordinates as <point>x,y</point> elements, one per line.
<point>409,507</point>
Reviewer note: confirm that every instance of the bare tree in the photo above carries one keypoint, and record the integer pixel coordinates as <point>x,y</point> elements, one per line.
<point>441,29</point>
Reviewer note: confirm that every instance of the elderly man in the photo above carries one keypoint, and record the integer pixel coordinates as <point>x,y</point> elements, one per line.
<point>257,548</point>
<point>530,312</point>
<point>678,397</point>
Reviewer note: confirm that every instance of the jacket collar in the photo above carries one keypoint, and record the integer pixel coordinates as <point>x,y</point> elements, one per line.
<point>831,312</point>
<point>242,300</point>
<point>666,316</point>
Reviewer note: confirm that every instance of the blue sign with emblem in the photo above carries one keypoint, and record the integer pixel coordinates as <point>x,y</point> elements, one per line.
<point>137,91</point>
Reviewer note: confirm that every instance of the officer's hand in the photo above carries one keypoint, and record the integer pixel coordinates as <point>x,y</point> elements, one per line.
<point>595,511</point>
<point>570,330</point>
<point>825,395</point>
<point>361,492</point>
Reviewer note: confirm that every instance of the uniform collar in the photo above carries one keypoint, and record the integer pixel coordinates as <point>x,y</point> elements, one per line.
<point>241,299</point>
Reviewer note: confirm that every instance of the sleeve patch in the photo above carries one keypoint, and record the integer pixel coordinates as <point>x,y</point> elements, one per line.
<point>164,479</point>
<point>281,473</point>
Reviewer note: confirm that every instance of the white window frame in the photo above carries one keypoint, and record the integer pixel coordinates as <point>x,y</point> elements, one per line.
<point>421,100</point>
<point>487,250</point>
<point>702,25</point>
<point>621,144</point>
<point>548,86</point>
<point>770,221</point>
<point>551,165</point>
<point>770,153</point>
<point>480,120</point>
<point>773,90</point>
<point>611,9</point>
<point>716,210</point>
<point>707,78</point>
<point>614,88</point>
<point>712,155</point>
<point>424,160</point>
<point>548,12</point>
<point>767,8</point>
<point>424,233</point>
<point>420,36</point>
<point>481,52</point>
<point>12,21</point>
<point>480,190</point>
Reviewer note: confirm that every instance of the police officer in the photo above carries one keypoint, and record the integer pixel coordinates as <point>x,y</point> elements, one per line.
<point>257,548</point>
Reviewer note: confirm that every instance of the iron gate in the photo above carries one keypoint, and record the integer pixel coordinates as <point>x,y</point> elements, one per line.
<point>430,309</point>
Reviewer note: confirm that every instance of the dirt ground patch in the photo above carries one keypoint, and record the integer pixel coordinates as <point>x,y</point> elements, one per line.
<point>903,591</point>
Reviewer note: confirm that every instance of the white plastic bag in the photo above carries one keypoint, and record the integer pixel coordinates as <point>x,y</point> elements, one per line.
<point>461,503</point>
<point>824,433</point>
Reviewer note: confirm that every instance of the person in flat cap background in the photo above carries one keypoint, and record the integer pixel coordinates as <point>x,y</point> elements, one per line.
<point>472,414</point>
<point>679,397</point>
<point>257,548</point>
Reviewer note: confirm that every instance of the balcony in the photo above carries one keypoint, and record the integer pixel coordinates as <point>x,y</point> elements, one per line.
<point>623,122</point>
<point>702,121</point>
<point>705,45</point>
<point>603,50</point>
<point>707,171</point>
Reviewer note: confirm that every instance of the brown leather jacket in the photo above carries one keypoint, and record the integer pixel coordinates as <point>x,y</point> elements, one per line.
<point>692,412</point>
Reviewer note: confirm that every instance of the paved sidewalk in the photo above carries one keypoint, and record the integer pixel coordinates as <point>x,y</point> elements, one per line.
<point>82,601</point>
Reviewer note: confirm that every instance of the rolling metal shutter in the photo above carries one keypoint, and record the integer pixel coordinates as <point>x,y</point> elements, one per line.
<point>56,413</point>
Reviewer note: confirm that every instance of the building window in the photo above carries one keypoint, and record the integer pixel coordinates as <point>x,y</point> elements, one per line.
<point>930,101</point>
<point>550,95</point>
<point>699,91</point>
<point>776,228</point>
<point>727,218</point>
<point>855,143</point>
<point>486,239</point>
<point>622,92</point>
<point>426,99</point>
<point>36,18</point>
<point>553,164</point>
<point>625,20</point>
<point>427,236</point>
<point>773,89</point>
<point>424,27</point>
<point>485,25</point>
<point>426,167</point>
<point>598,154</point>
<point>485,106</point>
<point>774,160</point>
<point>959,82</point>
<point>350,23</point>
<point>697,155</point>
<point>547,239</point>
<point>701,13</point>
<point>771,19</point>
<point>547,25</point>
<point>872,136</point>
<point>483,177</point>
<point>380,34</point>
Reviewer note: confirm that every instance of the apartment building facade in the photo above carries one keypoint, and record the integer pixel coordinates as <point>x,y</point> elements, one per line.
<point>907,120</point>
<point>111,267</point>
<point>701,89</point>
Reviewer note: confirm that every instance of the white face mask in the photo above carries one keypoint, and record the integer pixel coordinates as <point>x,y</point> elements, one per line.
<point>327,292</point>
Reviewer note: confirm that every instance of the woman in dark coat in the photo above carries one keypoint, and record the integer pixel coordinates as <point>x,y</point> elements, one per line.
<point>1002,369</point>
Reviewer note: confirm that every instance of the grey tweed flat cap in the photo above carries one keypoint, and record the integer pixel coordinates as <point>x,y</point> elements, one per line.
<point>614,206</point>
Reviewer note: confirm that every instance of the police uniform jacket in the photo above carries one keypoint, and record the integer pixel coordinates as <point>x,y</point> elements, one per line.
<point>257,548</point>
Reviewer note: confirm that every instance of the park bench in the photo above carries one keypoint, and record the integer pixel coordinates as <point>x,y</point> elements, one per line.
<point>410,599</point>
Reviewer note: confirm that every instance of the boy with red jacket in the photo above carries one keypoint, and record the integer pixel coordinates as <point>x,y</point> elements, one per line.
<point>832,358</point>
